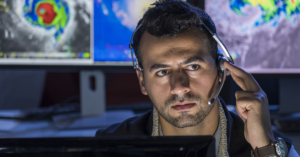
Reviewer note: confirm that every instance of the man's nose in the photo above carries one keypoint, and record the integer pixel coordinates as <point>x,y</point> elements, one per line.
<point>179,83</point>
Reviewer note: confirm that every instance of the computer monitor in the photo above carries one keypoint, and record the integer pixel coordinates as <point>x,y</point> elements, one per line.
<point>114,23</point>
<point>263,38</point>
<point>85,35</point>
<point>110,146</point>
<point>68,32</point>
<point>52,32</point>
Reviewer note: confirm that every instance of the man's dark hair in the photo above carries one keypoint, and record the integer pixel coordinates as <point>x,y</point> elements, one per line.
<point>170,17</point>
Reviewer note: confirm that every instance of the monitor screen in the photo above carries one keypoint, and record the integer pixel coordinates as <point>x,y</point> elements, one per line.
<point>68,32</point>
<point>262,36</point>
<point>46,31</point>
<point>114,23</point>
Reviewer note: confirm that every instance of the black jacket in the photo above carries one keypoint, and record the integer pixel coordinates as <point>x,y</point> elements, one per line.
<point>236,142</point>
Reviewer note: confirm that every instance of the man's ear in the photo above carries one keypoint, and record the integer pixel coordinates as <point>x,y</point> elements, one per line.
<point>140,76</point>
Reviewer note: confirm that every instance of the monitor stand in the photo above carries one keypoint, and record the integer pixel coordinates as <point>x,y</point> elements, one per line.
<point>289,95</point>
<point>92,92</point>
<point>93,114</point>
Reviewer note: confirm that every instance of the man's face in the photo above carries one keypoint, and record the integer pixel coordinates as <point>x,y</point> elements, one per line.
<point>180,76</point>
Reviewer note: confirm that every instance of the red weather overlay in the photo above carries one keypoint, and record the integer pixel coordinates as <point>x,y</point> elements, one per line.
<point>48,14</point>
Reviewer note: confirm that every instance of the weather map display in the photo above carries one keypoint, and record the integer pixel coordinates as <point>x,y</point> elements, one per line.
<point>262,35</point>
<point>46,29</point>
<point>114,23</point>
<point>48,14</point>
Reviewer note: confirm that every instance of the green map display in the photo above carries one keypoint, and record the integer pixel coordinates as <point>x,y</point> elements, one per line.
<point>271,8</point>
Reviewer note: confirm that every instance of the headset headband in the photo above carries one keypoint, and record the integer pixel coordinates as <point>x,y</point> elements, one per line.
<point>135,65</point>
<point>217,39</point>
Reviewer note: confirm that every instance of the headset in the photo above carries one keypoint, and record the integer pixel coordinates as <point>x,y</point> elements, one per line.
<point>221,71</point>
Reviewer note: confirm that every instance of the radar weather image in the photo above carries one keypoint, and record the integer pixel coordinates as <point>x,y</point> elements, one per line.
<point>49,29</point>
<point>48,14</point>
<point>262,35</point>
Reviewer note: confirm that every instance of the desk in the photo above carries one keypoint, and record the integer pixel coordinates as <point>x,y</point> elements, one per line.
<point>37,129</point>
<point>69,125</point>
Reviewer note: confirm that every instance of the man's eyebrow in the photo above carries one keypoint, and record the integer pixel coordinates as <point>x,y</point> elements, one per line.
<point>158,66</point>
<point>190,60</point>
<point>193,59</point>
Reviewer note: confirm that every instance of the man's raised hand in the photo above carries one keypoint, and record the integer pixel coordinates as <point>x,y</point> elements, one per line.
<point>253,108</point>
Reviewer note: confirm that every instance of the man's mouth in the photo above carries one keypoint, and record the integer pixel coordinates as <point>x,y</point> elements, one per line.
<point>183,106</point>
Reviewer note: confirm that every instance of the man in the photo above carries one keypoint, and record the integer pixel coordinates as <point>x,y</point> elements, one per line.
<point>178,57</point>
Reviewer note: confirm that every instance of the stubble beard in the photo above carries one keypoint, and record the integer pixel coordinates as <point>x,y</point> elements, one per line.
<point>185,119</point>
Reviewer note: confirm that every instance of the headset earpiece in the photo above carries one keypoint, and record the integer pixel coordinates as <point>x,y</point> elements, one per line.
<point>220,67</point>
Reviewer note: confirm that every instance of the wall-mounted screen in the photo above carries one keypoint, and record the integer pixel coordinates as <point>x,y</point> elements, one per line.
<point>46,31</point>
<point>114,23</point>
<point>262,36</point>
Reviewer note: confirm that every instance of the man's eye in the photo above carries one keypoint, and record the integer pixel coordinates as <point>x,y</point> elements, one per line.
<point>162,73</point>
<point>193,67</point>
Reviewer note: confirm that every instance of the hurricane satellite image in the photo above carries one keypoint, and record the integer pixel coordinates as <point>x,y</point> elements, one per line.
<point>45,26</point>
<point>49,14</point>
<point>261,35</point>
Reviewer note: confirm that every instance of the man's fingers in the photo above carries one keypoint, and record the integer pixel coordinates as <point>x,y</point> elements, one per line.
<point>246,105</point>
<point>242,78</point>
<point>240,82</point>
<point>240,114</point>
<point>244,94</point>
<point>228,73</point>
